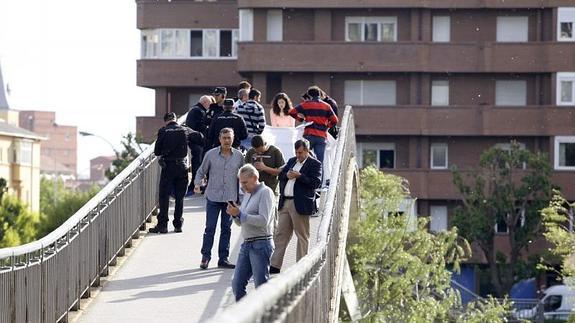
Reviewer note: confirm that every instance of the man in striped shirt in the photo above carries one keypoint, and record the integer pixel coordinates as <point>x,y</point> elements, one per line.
<point>253,114</point>
<point>321,116</point>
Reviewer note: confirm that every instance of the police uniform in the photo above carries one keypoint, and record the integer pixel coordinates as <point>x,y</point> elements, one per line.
<point>172,147</point>
<point>228,119</point>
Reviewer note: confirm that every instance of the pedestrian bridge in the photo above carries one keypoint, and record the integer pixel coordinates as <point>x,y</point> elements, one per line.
<point>99,266</point>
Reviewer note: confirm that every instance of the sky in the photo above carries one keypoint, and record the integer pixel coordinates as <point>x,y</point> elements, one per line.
<point>77,58</point>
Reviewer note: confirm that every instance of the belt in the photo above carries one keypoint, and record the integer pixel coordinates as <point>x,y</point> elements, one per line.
<point>175,160</point>
<point>252,239</point>
<point>288,197</point>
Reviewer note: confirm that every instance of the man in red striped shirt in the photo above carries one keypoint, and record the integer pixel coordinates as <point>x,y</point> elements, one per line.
<point>321,116</point>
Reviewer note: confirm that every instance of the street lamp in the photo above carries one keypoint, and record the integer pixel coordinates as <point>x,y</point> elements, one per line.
<point>88,134</point>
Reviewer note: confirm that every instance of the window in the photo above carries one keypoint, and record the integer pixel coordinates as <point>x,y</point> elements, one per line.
<point>441,29</point>
<point>379,155</point>
<point>511,93</point>
<point>440,93</point>
<point>439,156</point>
<point>210,41</point>
<point>565,88</point>
<point>23,152</point>
<point>225,43</point>
<point>275,25</point>
<point>196,43</point>
<point>565,152</point>
<point>501,224</point>
<point>552,303</point>
<point>246,25</point>
<point>149,43</point>
<point>185,43</point>
<point>371,29</point>
<point>565,21</point>
<point>507,147</point>
<point>512,29</point>
<point>438,221</point>
<point>174,43</point>
<point>358,92</point>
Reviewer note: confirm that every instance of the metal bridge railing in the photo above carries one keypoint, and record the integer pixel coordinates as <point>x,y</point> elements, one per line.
<point>43,280</point>
<point>309,291</point>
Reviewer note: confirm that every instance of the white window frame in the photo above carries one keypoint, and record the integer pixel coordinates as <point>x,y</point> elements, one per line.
<point>370,20</point>
<point>558,141</point>
<point>361,89</point>
<point>157,37</point>
<point>274,35</point>
<point>517,18</point>
<point>431,159</point>
<point>565,15</point>
<point>431,223</point>
<point>565,77</point>
<point>377,146</point>
<point>439,83</point>
<point>437,21</point>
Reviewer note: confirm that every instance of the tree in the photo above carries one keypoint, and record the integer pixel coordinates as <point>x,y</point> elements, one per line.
<point>400,269</point>
<point>57,204</point>
<point>509,188</point>
<point>558,219</point>
<point>132,149</point>
<point>17,223</point>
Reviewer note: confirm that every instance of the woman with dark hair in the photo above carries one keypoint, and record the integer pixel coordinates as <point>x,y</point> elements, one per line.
<point>279,116</point>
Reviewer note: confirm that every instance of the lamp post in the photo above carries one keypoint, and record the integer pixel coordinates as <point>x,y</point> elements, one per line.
<point>88,134</point>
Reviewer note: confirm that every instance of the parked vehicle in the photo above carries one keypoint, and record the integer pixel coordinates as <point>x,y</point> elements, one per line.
<point>557,303</point>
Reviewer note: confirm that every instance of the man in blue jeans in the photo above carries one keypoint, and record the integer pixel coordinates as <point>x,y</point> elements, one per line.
<point>256,217</point>
<point>220,166</point>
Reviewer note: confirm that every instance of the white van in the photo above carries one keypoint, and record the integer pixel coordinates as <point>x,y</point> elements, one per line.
<point>558,303</point>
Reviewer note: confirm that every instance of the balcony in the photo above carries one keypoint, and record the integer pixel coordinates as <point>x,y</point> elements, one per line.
<point>446,4</point>
<point>490,57</point>
<point>187,14</point>
<point>465,120</point>
<point>438,184</point>
<point>187,72</point>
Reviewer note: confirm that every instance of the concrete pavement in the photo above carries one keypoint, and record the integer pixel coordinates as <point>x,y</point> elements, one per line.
<point>161,280</point>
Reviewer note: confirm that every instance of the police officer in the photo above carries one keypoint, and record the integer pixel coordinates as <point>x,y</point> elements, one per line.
<point>228,119</point>
<point>216,108</point>
<point>172,148</point>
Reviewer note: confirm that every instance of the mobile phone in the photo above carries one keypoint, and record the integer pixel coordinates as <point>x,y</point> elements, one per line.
<point>232,203</point>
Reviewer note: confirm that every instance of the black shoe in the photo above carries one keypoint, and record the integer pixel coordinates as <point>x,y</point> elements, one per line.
<point>204,263</point>
<point>226,264</point>
<point>178,228</point>
<point>274,270</point>
<point>158,230</point>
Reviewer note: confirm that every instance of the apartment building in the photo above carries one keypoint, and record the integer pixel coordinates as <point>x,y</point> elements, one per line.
<point>433,83</point>
<point>59,150</point>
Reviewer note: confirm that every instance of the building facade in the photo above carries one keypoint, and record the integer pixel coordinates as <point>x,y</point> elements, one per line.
<point>59,150</point>
<point>20,164</point>
<point>98,168</point>
<point>433,83</point>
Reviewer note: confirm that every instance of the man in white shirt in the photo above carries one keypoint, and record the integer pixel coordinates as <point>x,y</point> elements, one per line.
<point>299,179</point>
